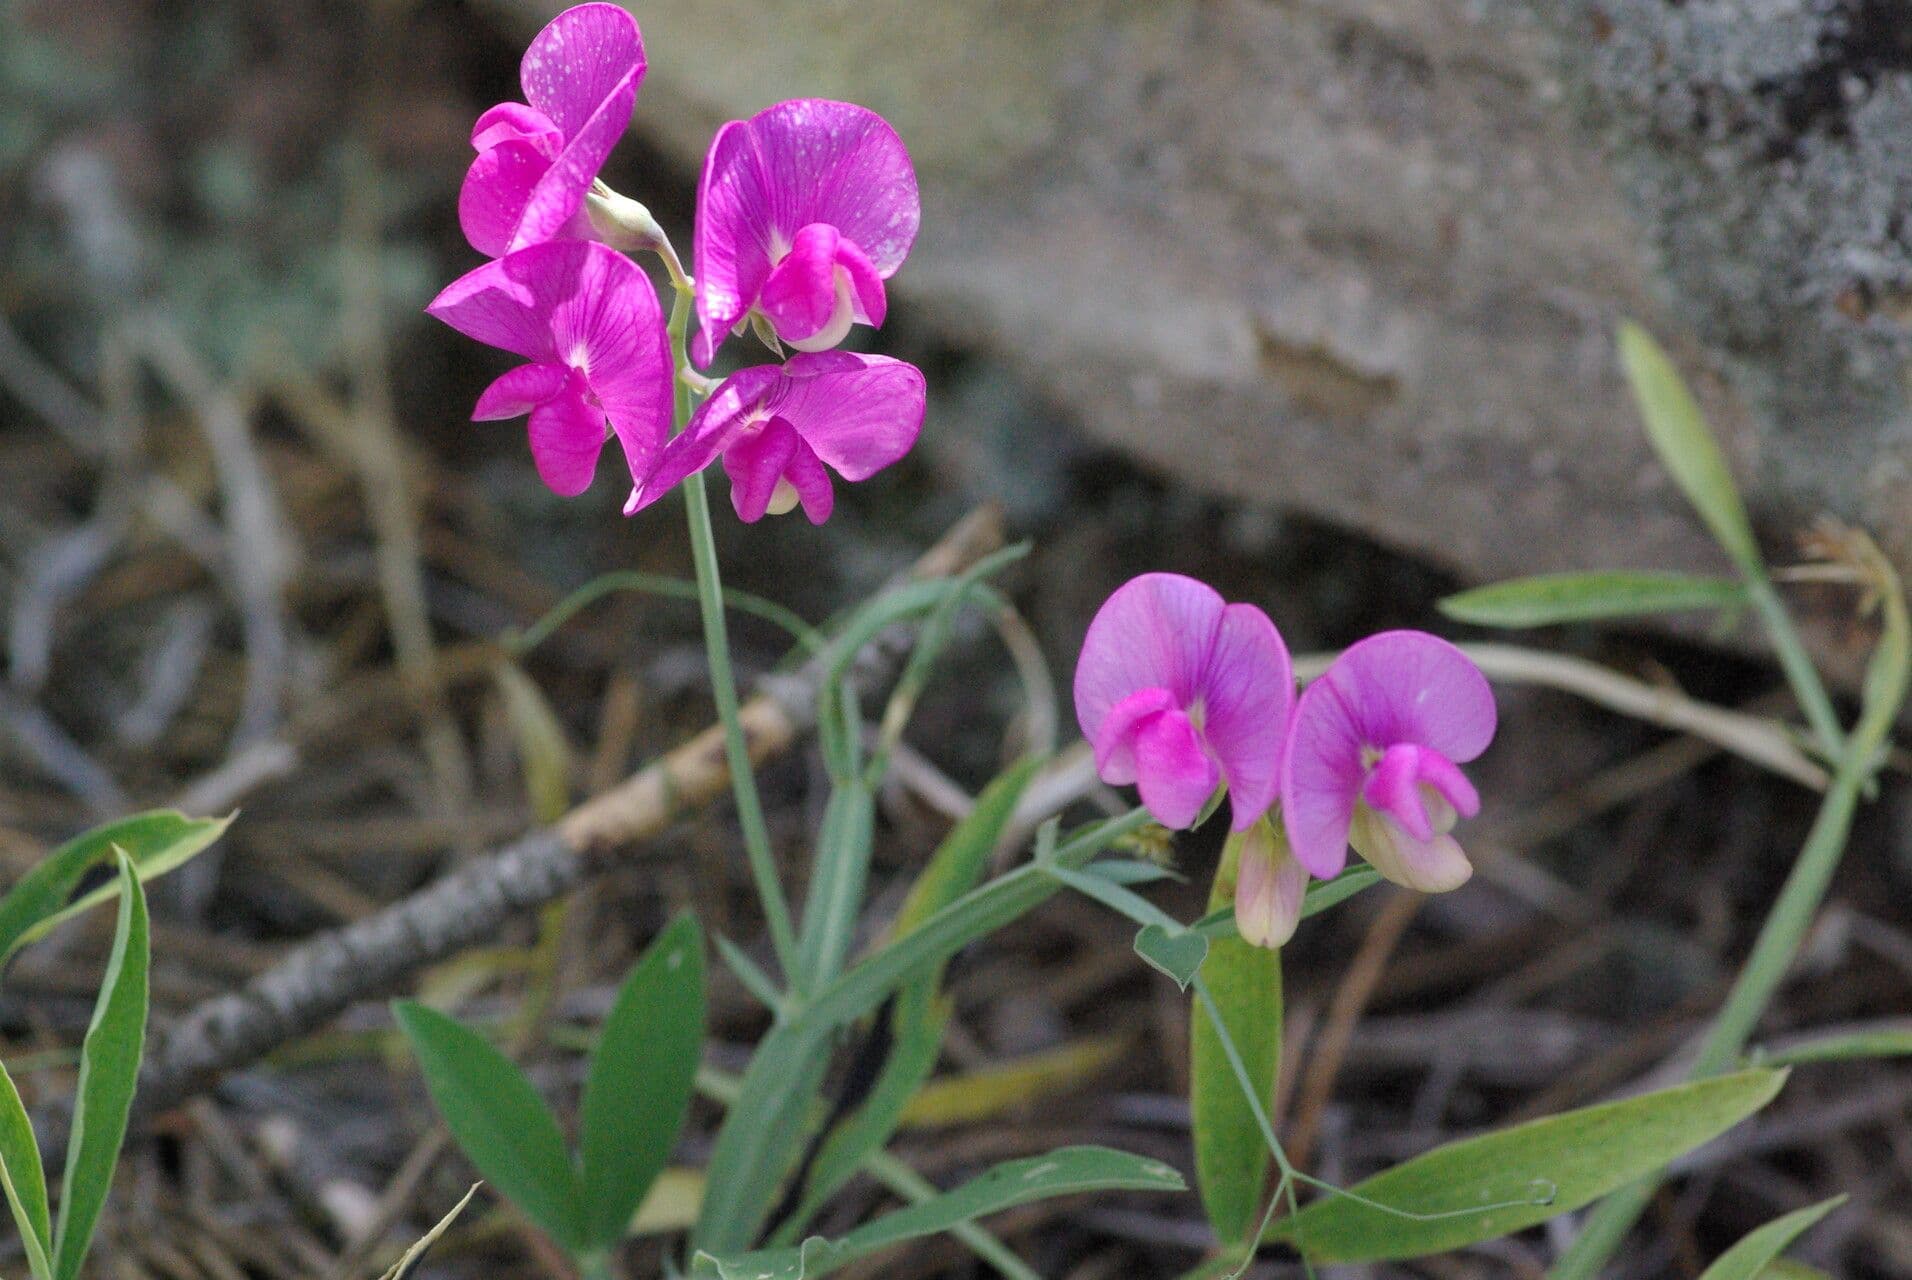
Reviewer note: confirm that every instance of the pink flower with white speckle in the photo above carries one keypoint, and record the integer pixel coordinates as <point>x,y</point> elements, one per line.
<point>536,162</point>
<point>1374,760</point>
<point>803,211</point>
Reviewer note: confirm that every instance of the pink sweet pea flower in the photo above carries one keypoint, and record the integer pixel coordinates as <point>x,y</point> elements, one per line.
<point>777,426</point>
<point>588,321</point>
<point>1179,692</point>
<point>1270,886</point>
<point>1374,758</point>
<point>803,211</point>
<point>536,163</point>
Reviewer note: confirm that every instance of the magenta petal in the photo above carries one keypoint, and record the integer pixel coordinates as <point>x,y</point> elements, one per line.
<point>799,294</point>
<point>1393,787</point>
<point>604,309</point>
<point>519,391</point>
<point>582,57</point>
<point>552,210</point>
<point>566,437</point>
<point>860,413</point>
<point>755,462</point>
<point>1155,631</point>
<point>812,483</point>
<point>716,423</point>
<point>871,304</point>
<point>1320,780</point>
<point>731,239</point>
<point>495,305</point>
<point>1173,772</point>
<point>498,186</point>
<point>515,122</point>
<point>1115,742</point>
<point>1408,686</point>
<point>839,163</point>
<point>1248,695</point>
<point>1442,774</point>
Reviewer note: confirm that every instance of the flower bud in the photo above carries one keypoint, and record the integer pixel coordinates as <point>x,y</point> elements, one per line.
<point>1269,885</point>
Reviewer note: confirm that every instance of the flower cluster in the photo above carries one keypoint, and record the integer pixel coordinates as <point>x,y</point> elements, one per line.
<point>803,211</point>
<point>1188,697</point>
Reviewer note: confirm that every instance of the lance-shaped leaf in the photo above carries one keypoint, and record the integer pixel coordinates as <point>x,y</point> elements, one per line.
<point>1483,1188</point>
<point>1553,598</point>
<point>109,1071</point>
<point>1686,445</point>
<point>24,1180</point>
<point>156,842</point>
<point>1749,1259</point>
<point>1231,1160</point>
<point>639,1085</point>
<point>1069,1171</point>
<point>499,1120</point>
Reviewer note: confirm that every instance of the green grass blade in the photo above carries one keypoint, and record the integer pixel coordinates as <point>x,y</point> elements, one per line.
<point>1069,1171</point>
<point>157,842</point>
<point>1523,1176</point>
<point>1749,1259</point>
<point>109,1072</point>
<point>1553,598</point>
<point>24,1180</point>
<point>499,1120</point>
<point>639,1086</point>
<point>1686,445</point>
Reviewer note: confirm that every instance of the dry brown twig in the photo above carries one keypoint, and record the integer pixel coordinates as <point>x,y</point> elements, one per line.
<point>323,976</point>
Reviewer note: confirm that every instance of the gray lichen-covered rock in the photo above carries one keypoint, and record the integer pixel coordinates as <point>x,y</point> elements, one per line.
<point>1363,258</point>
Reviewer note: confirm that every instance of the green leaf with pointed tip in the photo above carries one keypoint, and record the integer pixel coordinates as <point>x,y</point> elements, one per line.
<point>1749,1259</point>
<point>1787,1269</point>
<point>109,1071</point>
<point>1686,445</point>
<point>500,1122</point>
<point>24,1180</point>
<point>157,842</point>
<point>1484,1188</point>
<point>639,1086</point>
<point>1177,953</point>
<point>1231,1160</point>
<point>1553,598</point>
<point>1069,1171</point>
<point>919,1015</point>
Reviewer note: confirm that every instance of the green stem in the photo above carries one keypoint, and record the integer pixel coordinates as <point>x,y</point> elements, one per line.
<point>1796,663</point>
<point>1786,924</point>
<point>710,602</point>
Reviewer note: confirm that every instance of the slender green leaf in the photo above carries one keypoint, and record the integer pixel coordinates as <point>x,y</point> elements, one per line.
<point>842,870</point>
<point>499,1120</point>
<point>1231,1160</point>
<point>1584,597</point>
<point>1179,953</point>
<point>919,1016</point>
<point>1748,1259</point>
<point>639,1086</point>
<point>109,1071</point>
<point>1787,1269</point>
<point>1686,445</point>
<point>409,1260</point>
<point>1132,874</point>
<point>24,1180</point>
<point>1888,1043</point>
<point>1483,1188</point>
<point>1069,1171</point>
<point>757,1144</point>
<point>157,842</point>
